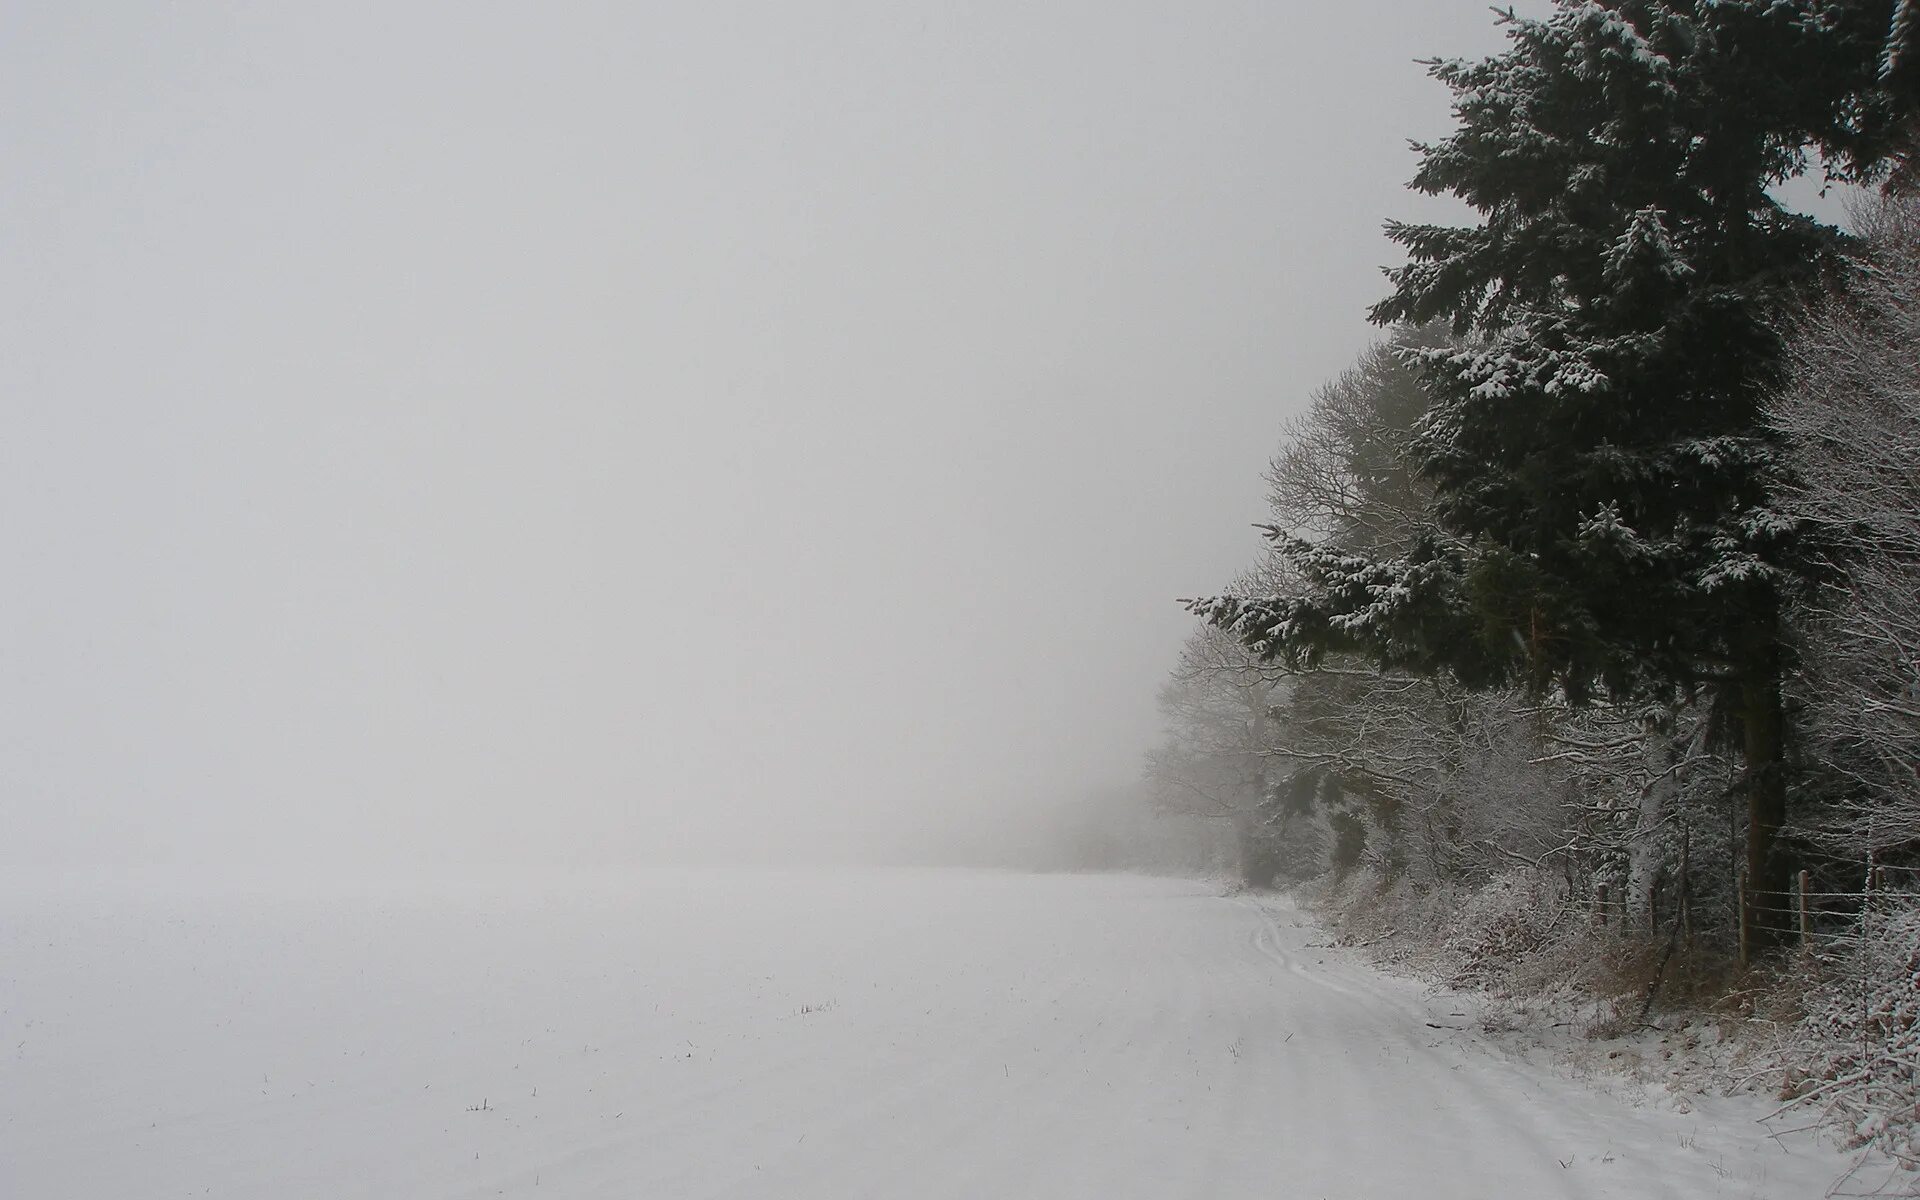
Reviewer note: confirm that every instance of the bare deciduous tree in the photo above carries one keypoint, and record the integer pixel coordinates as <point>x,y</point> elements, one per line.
<point>1851,413</point>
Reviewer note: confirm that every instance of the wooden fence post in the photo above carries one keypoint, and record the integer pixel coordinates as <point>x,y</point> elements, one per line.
<point>1806,922</point>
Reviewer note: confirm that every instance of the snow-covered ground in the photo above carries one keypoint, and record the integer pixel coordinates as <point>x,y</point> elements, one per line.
<point>784,1034</point>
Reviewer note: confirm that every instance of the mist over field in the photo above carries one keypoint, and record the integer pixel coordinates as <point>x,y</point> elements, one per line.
<point>488,435</point>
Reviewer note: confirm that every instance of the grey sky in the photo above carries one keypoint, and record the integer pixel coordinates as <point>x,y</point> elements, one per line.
<point>581,432</point>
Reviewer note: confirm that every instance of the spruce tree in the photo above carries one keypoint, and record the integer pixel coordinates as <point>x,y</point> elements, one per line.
<point>1604,478</point>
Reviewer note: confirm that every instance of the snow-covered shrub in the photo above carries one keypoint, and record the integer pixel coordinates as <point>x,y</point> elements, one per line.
<point>1395,919</point>
<point>1518,937</point>
<point>1854,1063</point>
<point>1499,925</point>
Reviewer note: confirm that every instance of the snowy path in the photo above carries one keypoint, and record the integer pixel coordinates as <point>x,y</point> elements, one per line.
<point>884,1034</point>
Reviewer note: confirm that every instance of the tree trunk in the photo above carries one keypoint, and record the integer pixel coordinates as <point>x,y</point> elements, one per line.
<point>1646,856</point>
<point>1768,877</point>
<point>1256,864</point>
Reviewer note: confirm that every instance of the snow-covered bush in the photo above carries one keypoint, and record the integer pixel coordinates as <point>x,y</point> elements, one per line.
<point>1500,925</point>
<point>1854,1062</point>
<point>1394,918</point>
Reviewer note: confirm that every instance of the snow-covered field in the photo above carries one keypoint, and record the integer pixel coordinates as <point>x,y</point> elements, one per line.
<point>782,1034</point>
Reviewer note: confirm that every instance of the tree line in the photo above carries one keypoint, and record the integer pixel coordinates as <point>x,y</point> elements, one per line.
<point>1603,565</point>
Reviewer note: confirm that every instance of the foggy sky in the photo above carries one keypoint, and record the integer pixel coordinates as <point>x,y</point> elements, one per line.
<point>589,433</point>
